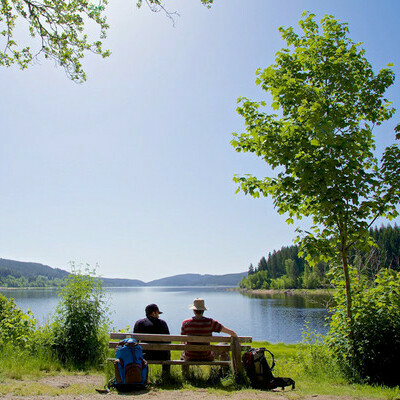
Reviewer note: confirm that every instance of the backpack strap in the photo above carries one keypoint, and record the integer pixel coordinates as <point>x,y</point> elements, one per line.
<point>273,359</point>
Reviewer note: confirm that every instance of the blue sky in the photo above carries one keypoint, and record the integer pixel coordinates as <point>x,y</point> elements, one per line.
<point>133,169</point>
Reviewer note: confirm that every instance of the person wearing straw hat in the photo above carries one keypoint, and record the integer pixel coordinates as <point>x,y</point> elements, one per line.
<point>199,325</point>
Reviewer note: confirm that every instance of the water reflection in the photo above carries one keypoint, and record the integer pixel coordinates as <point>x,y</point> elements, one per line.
<point>282,318</point>
<point>295,300</point>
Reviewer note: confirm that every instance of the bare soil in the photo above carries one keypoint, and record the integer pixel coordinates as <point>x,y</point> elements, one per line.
<point>95,381</point>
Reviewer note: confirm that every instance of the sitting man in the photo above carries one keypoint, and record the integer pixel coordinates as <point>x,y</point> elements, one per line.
<point>153,324</point>
<point>199,325</point>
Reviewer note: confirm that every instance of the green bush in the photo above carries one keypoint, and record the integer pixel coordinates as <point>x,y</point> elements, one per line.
<point>284,282</point>
<point>316,359</point>
<point>15,326</point>
<point>80,328</point>
<point>258,280</point>
<point>371,352</point>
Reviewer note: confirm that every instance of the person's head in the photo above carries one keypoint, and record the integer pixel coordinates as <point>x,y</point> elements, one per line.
<point>198,307</point>
<point>152,310</point>
<point>198,313</point>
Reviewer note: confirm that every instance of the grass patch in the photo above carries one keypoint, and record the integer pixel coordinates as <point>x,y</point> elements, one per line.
<point>32,388</point>
<point>20,364</point>
<point>311,367</point>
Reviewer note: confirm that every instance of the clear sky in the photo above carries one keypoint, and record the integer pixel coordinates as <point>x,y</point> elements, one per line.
<point>133,169</point>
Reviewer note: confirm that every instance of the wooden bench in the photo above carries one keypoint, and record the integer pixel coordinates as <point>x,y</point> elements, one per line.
<point>218,344</point>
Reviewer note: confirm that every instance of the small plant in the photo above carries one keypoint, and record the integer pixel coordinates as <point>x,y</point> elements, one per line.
<point>81,322</point>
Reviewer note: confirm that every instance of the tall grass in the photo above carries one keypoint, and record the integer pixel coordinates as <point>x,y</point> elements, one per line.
<point>17,363</point>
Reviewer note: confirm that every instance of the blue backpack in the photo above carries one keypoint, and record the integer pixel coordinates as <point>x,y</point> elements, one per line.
<point>131,369</point>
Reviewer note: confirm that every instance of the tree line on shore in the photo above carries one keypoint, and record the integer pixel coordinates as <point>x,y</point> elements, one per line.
<point>20,281</point>
<point>286,269</point>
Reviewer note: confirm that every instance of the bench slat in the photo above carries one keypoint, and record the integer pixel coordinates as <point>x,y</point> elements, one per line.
<point>179,346</point>
<point>146,337</point>
<point>182,362</point>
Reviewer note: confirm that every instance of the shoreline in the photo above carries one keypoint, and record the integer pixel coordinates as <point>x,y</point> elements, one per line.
<point>261,292</point>
<point>288,292</point>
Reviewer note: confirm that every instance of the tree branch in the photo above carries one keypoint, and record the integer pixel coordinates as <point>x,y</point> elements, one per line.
<point>156,6</point>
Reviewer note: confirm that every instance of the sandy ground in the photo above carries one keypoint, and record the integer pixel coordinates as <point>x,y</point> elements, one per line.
<point>93,382</point>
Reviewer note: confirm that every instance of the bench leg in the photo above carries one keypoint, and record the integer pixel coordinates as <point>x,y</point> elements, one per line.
<point>224,370</point>
<point>237,367</point>
<point>166,371</point>
<point>185,371</point>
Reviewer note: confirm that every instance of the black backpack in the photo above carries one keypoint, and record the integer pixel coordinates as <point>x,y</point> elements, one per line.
<point>260,373</point>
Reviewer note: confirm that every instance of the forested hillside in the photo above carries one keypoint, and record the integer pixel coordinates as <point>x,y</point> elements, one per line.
<point>27,274</point>
<point>199,280</point>
<point>284,269</point>
<point>23,274</point>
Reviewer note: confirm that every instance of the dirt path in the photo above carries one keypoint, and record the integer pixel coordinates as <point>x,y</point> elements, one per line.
<point>89,383</point>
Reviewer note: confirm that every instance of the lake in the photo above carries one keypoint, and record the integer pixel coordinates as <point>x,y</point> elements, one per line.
<point>275,318</point>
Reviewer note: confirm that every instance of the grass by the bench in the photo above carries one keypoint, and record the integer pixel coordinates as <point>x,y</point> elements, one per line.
<point>314,376</point>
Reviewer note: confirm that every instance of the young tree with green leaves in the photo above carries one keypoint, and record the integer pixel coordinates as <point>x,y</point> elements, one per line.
<point>60,28</point>
<point>80,329</point>
<point>321,144</point>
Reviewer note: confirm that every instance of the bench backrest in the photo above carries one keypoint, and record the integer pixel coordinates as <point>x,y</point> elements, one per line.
<point>148,337</point>
<point>185,342</point>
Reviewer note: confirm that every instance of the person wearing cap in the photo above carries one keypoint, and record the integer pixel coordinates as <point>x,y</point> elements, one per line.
<point>199,325</point>
<point>153,324</point>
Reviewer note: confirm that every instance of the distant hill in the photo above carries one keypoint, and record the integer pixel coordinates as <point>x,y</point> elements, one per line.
<point>33,270</point>
<point>29,269</point>
<point>199,280</point>
<point>114,282</point>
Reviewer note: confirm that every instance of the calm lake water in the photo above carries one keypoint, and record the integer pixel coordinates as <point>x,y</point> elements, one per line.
<point>275,318</point>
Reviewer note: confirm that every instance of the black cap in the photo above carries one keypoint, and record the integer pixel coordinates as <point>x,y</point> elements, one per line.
<point>151,308</point>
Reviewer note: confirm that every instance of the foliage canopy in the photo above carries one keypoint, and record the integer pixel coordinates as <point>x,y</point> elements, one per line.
<point>61,28</point>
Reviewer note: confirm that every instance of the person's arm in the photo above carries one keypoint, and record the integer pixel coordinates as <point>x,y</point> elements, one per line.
<point>137,327</point>
<point>165,328</point>
<point>228,331</point>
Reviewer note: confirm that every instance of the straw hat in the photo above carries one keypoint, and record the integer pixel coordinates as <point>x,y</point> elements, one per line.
<point>198,304</point>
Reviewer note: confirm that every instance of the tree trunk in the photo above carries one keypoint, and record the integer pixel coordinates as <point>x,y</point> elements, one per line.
<point>347,283</point>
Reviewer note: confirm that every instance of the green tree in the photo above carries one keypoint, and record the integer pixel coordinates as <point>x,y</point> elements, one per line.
<point>322,144</point>
<point>251,270</point>
<point>262,264</point>
<point>292,270</point>
<point>61,29</point>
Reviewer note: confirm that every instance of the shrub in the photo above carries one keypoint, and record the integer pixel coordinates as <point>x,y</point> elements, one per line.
<point>316,359</point>
<point>81,321</point>
<point>372,352</point>
<point>15,326</point>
